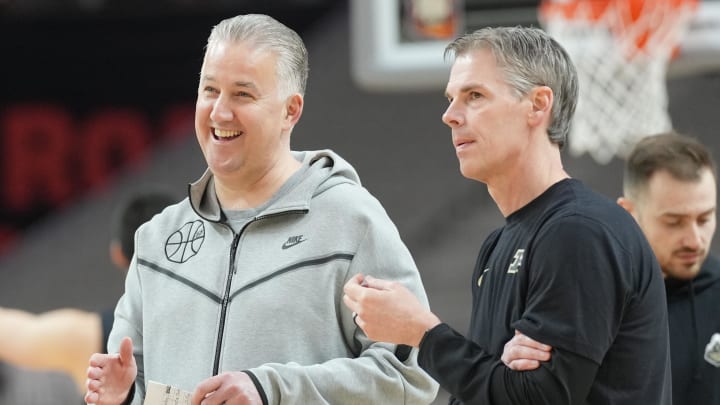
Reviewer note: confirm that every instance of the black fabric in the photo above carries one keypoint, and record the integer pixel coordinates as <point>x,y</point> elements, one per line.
<point>694,311</point>
<point>130,395</point>
<point>402,352</point>
<point>570,269</point>
<point>556,382</point>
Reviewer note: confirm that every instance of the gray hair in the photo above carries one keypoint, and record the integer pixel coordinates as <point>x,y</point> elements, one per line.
<point>529,57</point>
<point>268,34</point>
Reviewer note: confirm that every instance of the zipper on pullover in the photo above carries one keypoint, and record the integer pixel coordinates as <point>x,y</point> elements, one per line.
<point>225,302</point>
<point>231,272</point>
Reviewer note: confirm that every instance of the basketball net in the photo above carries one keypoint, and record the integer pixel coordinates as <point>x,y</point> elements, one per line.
<point>621,50</point>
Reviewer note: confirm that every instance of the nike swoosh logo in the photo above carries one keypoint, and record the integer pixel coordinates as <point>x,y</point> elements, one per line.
<point>480,279</point>
<point>292,243</point>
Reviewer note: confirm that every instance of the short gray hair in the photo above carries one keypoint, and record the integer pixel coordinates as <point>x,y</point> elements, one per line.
<point>268,34</point>
<point>529,58</point>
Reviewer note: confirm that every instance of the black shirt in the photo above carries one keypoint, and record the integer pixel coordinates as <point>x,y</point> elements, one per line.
<point>694,310</point>
<point>570,269</point>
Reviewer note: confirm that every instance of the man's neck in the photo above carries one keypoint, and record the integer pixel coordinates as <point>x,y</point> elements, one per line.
<point>531,177</point>
<point>250,190</point>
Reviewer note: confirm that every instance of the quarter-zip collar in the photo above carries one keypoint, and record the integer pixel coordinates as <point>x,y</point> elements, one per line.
<point>325,169</point>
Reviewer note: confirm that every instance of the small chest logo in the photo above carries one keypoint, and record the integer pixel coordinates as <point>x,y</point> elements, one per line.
<point>292,241</point>
<point>712,350</point>
<point>516,262</point>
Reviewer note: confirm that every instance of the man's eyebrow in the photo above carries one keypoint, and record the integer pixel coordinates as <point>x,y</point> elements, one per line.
<point>472,86</point>
<point>682,215</point>
<point>467,88</point>
<point>244,84</point>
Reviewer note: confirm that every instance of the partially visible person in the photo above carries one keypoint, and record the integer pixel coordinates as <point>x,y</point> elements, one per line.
<point>19,385</point>
<point>570,268</point>
<point>64,339</point>
<point>235,293</point>
<point>670,187</point>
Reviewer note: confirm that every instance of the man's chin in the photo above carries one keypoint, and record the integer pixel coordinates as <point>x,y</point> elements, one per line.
<point>682,272</point>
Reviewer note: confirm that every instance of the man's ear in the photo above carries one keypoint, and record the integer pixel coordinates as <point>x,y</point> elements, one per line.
<point>627,204</point>
<point>293,110</point>
<point>541,98</point>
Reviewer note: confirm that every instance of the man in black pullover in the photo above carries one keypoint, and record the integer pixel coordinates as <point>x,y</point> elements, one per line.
<point>570,268</point>
<point>670,189</point>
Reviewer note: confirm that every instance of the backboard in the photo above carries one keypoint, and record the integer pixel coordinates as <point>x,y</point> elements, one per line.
<point>383,59</point>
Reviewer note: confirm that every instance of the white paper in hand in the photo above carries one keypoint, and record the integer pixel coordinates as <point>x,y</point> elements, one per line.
<point>162,394</point>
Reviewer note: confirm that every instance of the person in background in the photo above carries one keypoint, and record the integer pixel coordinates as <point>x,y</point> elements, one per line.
<point>235,293</point>
<point>570,268</point>
<point>19,385</point>
<point>63,339</point>
<point>670,188</point>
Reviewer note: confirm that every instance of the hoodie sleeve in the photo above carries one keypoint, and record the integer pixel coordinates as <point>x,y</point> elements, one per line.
<point>380,373</point>
<point>128,318</point>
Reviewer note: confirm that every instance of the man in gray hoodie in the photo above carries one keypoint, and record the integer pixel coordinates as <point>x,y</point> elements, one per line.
<point>234,294</point>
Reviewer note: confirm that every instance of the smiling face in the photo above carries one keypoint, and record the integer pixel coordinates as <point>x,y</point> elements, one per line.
<point>487,117</point>
<point>678,219</point>
<point>242,119</point>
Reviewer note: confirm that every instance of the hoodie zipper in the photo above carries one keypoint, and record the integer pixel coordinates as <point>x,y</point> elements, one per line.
<point>232,269</point>
<point>697,348</point>
<point>224,304</point>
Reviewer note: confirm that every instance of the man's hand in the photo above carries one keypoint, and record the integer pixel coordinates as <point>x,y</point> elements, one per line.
<point>522,353</point>
<point>110,376</point>
<point>232,388</point>
<point>387,311</point>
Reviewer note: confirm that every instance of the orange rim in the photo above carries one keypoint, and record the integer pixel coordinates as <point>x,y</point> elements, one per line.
<point>628,13</point>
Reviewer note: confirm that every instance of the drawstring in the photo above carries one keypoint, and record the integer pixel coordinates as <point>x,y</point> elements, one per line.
<point>696,350</point>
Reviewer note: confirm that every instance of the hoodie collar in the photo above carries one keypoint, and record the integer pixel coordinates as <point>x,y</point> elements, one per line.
<point>324,169</point>
<point>709,275</point>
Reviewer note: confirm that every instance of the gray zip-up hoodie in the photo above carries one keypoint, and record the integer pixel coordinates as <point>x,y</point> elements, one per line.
<point>202,299</point>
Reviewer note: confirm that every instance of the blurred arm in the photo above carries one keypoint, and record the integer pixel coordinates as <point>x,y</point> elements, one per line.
<point>61,340</point>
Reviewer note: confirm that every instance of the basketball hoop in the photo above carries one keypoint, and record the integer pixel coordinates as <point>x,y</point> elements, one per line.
<point>621,49</point>
<point>432,19</point>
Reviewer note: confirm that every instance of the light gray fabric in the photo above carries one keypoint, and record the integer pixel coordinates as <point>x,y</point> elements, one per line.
<point>285,322</point>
